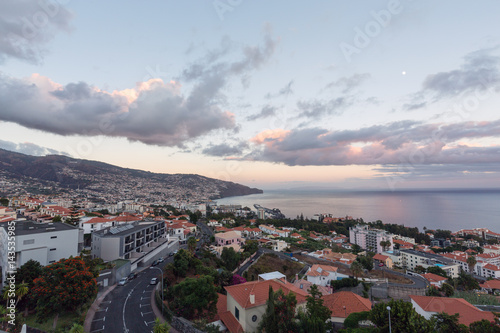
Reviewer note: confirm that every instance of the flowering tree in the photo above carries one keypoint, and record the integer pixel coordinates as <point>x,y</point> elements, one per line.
<point>63,286</point>
<point>237,279</point>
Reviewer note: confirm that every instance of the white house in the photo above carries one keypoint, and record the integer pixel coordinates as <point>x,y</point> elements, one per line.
<point>323,274</point>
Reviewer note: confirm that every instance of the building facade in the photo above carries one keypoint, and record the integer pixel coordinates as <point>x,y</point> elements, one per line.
<point>370,239</point>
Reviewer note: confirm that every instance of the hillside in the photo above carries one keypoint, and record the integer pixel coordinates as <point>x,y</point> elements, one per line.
<point>100,181</point>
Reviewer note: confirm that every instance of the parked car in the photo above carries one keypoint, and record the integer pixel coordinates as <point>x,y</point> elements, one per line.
<point>381,264</point>
<point>294,259</point>
<point>132,276</point>
<point>122,282</point>
<point>161,260</point>
<point>171,254</point>
<point>153,281</point>
<point>155,263</point>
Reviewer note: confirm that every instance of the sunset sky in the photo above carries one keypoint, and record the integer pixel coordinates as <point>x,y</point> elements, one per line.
<point>283,94</point>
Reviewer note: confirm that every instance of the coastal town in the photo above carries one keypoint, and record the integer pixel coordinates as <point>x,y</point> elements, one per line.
<point>239,254</point>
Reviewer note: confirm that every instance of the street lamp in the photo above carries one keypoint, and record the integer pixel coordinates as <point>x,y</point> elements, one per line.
<point>162,286</point>
<point>389,309</point>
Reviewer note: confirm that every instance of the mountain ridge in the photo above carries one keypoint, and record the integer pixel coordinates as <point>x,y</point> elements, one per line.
<point>64,172</point>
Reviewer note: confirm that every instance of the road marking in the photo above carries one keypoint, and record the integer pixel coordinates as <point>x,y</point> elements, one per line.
<point>145,298</point>
<point>141,305</point>
<point>99,330</point>
<point>103,319</point>
<point>149,322</point>
<point>124,305</point>
<point>145,313</point>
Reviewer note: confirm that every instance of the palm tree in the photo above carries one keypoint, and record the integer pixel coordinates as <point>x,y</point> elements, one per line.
<point>159,327</point>
<point>471,262</point>
<point>76,328</point>
<point>356,269</point>
<point>385,244</point>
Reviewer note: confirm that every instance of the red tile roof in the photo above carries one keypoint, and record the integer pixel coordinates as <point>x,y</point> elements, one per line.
<point>231,323</point>
<point>343,303</point>
<point>380,257</point>
<point>491,284</point>
<point>241,292</point>
<point>468,313</point>
<point>325,269</point>
<point>434,277</point>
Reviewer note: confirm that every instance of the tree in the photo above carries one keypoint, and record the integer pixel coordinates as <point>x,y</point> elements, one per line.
<point>181,263</point>
<point>191,244</point>
<point>314,318</point>
<point>193,296</point>
<point>356,269</point>
<point>280,313</point>
<point>230,258</point>
<point>57,218</point>
<point>76,328</point>
<point>419,269</point>
<point>432,291</point>
<point>447,289</point>
<point>64,285</point>
<point>484,326</point>
<point>404,318</point>
<point>437,270</point>
<point>466,281</point>
<point>385,244</point>
<point>356,249</point>
<point>444,323</point>
<point>251,246</point>
<point>4,202</point>
<point>160,328</point>
<point>471,262</point>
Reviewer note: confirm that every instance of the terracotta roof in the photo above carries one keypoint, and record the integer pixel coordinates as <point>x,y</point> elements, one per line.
<point>352,303</point>
<point>325,269</point>
<point>380,257</point>
<point>491,267</point>
<point>241,292</point>
<point>491,284</point>
<point>433,277</point>
<point>468,312</point>
<point>227,235</point>
<point>231,323</point>
<point>221,305</point>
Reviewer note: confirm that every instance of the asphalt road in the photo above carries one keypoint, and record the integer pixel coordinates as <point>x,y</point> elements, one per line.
<point>128,308</point>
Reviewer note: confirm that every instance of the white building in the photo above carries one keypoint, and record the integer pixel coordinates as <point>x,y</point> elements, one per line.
<point>370,239</point>
<point>43,242</point>
<point>323,274</point>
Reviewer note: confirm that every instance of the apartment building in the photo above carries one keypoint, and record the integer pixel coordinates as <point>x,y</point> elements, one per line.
<point>125,241</point>
<point>410,259</point>
<point>43,242</point>
<point>370,239</point>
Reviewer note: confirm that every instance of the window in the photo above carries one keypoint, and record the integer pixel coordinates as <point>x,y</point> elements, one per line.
<point>52,249</point>
<point>52,237</point>
<point>236,313</point>
<point>254,318</point>
<point>28,241</point>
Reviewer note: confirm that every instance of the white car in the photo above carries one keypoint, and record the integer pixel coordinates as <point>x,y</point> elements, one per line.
<point>123,281</point>
<point>154,281</point>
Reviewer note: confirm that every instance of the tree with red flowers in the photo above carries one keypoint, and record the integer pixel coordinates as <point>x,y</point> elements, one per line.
<point>63,286</point>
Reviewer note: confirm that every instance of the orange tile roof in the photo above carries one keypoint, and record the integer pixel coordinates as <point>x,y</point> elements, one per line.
<point>491,284</point>
<point>380,257</point>
<point>492,267</point>
<point>231,323</point>
<point>433,277</point>
<point>221,304</point>
<point>468,313</point>
<point>325,269</point>
<point>241,292</point>
<point>352,303</point>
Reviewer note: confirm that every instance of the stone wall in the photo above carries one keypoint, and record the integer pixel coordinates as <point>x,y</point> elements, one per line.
<point>184,325</point>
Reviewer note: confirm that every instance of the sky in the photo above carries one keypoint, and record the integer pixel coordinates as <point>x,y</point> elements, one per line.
<point>336,94</point>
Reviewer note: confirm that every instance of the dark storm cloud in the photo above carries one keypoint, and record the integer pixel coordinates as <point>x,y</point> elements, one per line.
<point>27,25</point>
<point>394,143</point>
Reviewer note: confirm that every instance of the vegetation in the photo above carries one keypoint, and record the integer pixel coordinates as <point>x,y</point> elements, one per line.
<point>280,313</point>
<point>193,297</point>
<point>63,286</point>
<point>344,283</point>
<point>313,319</point>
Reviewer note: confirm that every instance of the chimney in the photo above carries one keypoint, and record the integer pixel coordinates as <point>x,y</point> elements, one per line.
<point>252,298</point>
<point>296,277</point>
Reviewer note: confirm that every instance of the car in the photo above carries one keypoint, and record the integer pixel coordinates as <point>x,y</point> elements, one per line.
<point>132,276</point>
<point>161,260</point>
<point>153,281</point>
<point>381,264</point>
<point>294,259</point>
<point>171,254</point>
<point>155,263</point>
<point>122,282</point>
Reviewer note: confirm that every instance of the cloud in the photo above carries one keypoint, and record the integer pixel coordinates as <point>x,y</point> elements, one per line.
<point>153,112</point>
<point>224,149</point>
<point>480,71</point>
<point>348,84</point>
<point>285,91</point>
<point>29,148</point>
<point>404,142</point>
<point>317,108</point>
<point>266,111</point>
<point>27,25</point>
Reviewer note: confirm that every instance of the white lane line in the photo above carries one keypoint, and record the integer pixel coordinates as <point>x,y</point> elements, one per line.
<point>147,312</point>
<point>123,314</point>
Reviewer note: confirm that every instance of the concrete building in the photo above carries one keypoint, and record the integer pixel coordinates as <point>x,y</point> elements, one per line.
<point>126,241</point>
<point>369,239</point>
<point>322,275</point>
<point>410,259</point>
<point>43,242</point>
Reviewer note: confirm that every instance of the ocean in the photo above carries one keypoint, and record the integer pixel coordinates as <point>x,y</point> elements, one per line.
<point>433,209</point>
